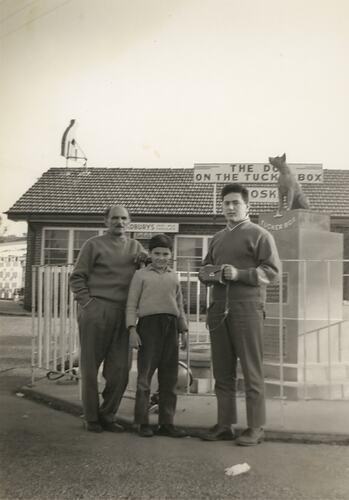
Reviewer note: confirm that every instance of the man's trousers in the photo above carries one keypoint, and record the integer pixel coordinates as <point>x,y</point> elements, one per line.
<point>238,334</point>
<point>159,350</point>
<point>103,338</point>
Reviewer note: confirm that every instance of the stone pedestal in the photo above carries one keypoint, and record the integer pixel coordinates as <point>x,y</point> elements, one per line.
<point>312,304</point>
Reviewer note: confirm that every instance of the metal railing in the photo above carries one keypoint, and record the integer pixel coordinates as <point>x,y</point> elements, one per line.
<point>308,345</point>
<point>55,342</point>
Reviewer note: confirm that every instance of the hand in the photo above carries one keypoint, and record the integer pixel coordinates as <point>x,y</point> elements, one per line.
<point>141,259</point>
<point>184,342</point>
<point>230,272</point>
<point>135,340</point>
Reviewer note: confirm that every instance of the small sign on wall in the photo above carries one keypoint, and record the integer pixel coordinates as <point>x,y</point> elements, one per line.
<point>153,227</point>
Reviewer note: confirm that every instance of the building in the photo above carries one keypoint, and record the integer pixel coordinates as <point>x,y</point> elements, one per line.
<point>65,207</point>
<point>12,266</point>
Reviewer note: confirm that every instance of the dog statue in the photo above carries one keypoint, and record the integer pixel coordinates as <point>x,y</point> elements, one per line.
<point>288,186</point>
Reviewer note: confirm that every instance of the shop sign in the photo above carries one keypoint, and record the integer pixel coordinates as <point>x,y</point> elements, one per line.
<point>254,172</point>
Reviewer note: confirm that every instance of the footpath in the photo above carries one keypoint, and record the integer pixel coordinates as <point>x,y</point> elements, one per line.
<point>313,421</point>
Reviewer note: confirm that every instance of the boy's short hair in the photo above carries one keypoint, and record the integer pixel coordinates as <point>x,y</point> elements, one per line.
<point>160,240</point>
<point>235,188</point>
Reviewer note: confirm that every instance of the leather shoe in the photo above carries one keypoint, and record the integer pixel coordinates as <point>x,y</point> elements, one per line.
<point>171,431</point>
<point>218,433</point>
<point>111,426</point>
<point>145,431</point>
<point>251,436</point>
<point>93,427</point>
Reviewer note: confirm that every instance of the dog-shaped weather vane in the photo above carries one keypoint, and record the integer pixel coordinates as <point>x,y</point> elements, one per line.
<point>290,191</point>
<point>70,148</point>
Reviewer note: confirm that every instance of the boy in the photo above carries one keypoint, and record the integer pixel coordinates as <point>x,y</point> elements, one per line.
<point>155,297</point>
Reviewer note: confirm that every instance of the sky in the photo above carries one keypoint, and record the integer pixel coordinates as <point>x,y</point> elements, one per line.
<point>170,83</point>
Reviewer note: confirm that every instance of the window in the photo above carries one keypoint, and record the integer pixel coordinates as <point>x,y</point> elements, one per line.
<point>80,236</point>
<point>191,250</point>
<point>56,246</point>
<point>61,246</point>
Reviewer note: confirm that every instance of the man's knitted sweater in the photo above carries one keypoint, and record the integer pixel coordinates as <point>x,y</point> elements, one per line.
<point>104,268</point>
<point>153,291</point>
<point>252,251</point>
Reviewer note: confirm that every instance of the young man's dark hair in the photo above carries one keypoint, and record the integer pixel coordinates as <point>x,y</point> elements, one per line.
<point>235,188</point>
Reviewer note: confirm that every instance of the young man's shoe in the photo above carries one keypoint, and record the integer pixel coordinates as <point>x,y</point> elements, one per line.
<point>218,433</point>
<point>111,426</point>
<point>93,427</point>
<point>145,431</point>
<point>251,437</point>
<point>171,431</point>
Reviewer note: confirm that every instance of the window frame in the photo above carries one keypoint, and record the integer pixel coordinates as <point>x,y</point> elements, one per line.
<point>100,231</point>
<point>205,243</point>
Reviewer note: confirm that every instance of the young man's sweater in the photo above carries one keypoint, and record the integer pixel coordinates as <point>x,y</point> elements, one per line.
<point>153,291</point>
<point>104,269</point>
<point>252,250</point>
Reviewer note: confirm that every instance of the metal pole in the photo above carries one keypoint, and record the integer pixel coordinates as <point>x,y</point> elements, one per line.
<point>329,350</point>
<point>304,329</point>
<point>188,320</point>
<point>281,331</point>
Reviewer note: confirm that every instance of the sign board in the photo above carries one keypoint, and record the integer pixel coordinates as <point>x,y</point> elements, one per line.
<point>254,172</point>
<point>266,194</point>
<point>153,227</point>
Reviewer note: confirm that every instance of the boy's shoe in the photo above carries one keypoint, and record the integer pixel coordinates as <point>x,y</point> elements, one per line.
<point>145,431</point>
<point>93,427</point>
<point>251,437</point>
<point>218,433</point>
<point>171,431</point>
<point>111,426</point>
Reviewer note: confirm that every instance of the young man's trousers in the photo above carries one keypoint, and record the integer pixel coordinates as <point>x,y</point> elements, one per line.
<point>239,334</point>
<point>159,350</point>
<point>103,338</point>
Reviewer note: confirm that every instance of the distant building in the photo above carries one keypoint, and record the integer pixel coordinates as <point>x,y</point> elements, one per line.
<point>12,266</point>
<point>66,205</point>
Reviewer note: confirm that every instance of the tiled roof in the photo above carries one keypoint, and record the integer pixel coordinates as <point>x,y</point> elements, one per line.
<point>158,191</point>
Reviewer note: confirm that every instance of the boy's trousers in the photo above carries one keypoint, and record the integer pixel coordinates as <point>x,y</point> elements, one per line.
<point>159,350</point>
<point>103,338</point>
<point>238,335</point>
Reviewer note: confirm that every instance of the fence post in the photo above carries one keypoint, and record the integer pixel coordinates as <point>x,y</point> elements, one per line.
<point>55,276</point>
<point>62,317</point>
<point>33,307</point>
<point>39,316</point>
<point>47,316</point>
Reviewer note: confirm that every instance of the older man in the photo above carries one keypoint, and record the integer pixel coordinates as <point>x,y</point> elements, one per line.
<point>248,258</point>
<point>100,282</point>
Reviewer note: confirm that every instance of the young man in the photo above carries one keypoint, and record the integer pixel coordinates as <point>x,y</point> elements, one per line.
<point>100,282</point>
<point>249,259</point>
<point>155,297</point>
